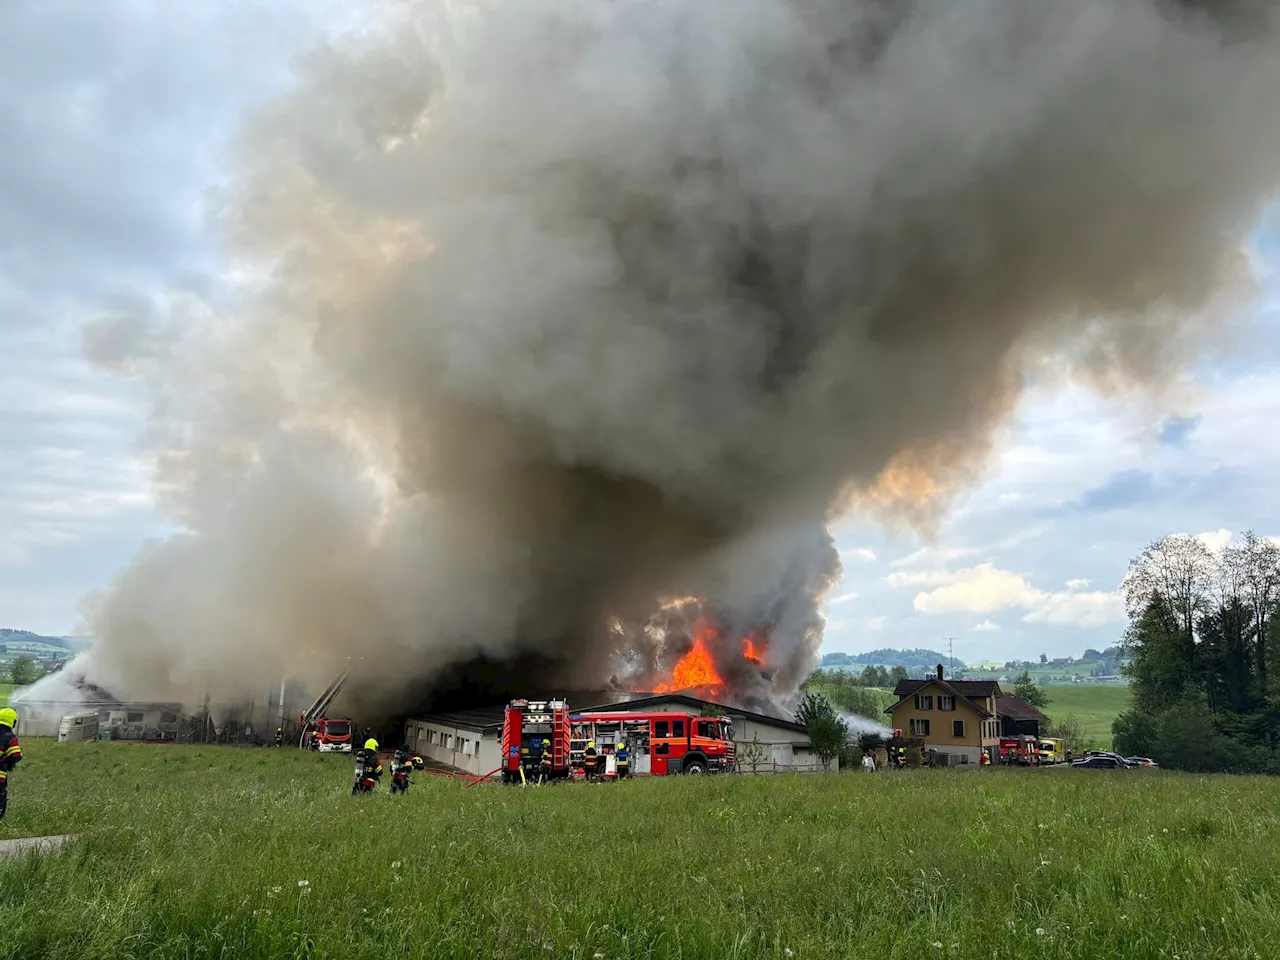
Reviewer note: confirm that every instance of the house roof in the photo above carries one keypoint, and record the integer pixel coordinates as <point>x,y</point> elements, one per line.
<point>490,717</point>
<point>1015,708</point>
<point>968,691</point>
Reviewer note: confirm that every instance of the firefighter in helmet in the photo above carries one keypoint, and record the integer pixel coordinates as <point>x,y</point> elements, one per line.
<point>544,761</point>
<point>10,753</point>
<point>623,758</point>
<point>590,758</point>
<point>902,758</point>
<point>368,767</point>
<point>279,736</point>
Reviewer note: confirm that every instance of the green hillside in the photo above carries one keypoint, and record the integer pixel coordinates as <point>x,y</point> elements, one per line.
<point>1095,705</point>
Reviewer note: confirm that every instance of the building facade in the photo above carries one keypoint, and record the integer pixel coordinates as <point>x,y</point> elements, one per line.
<point>957,718</point>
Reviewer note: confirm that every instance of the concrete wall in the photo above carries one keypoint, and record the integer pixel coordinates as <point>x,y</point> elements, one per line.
<point>474,751</point>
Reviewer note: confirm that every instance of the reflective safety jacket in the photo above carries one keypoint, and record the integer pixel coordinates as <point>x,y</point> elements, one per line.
<point>621,754</point>
<point>12,751</point>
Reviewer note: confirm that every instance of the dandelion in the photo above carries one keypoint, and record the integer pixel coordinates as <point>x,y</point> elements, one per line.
<point>1124,916</point>
<point>1039,931</point>
<point>598,956</point>
<point>396,878</point>
<point>1044,863</point>
<point>786,952</point>
<point>304,883</point>
<point>395,864</point>
<point>937,944</point>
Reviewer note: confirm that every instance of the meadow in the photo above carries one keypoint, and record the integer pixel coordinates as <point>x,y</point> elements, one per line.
<point>1094,705</point>
<point>215,852</point>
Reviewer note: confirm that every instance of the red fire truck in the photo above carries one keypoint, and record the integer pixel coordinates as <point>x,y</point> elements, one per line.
<point>658,743</point>
<point>331,734</point>
<point>1022,750</point>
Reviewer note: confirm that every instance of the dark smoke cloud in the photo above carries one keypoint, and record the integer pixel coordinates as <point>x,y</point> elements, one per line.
<point>555,309</point>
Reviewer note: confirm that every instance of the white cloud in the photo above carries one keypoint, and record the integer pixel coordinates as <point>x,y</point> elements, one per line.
<point>986,588</point>
<point>1093,609</point>
<point>919,578</point>
<point>843,598</point>
<point>979,589</point>
<point>863,554</point>
<point>877,623</point>
<point>933,556</point>
<point>1215,540</point>
<point>986,626</point>
<point>1079,583</point>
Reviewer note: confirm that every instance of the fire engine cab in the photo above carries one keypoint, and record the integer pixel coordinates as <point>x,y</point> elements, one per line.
<point>332,734</point>
<point>658,743</point>
<point>1022,750</point>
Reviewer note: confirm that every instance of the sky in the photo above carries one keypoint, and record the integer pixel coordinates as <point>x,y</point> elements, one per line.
<point>118,120</point>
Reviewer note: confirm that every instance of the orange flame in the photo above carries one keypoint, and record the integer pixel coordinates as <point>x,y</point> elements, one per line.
<point>749,651</point>
<point>696,668</point>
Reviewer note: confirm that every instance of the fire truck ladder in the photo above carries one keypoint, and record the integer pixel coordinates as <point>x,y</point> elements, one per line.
<point>321,704</point>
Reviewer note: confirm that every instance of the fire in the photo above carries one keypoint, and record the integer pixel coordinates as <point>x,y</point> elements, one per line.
<point>749,651</point>
<point>696,668</point>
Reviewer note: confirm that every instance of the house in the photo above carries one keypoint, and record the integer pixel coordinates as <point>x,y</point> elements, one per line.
<point>471,740</point>
<point>1018,718</point>
<point>957,718</point>
<point>125,721</point>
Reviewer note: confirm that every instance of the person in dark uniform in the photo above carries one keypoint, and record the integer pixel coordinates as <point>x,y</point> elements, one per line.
<point>10,755</point>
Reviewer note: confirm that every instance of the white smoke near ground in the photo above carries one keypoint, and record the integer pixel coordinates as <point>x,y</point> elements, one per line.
<point>859,724</point>
<point>547,312</point>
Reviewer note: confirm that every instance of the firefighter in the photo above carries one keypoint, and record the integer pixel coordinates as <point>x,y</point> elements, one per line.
<point>401,767</point>
<point>279,736</point>
<point>368,768</point>
<point>11,755</point>
<point>984,759</point>
<point>544,761</point>
<point>902,758</point>
<point>623,757</point>
<point>590,759</point>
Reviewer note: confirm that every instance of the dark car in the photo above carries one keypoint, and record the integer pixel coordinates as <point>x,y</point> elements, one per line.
<point>1101,761</point>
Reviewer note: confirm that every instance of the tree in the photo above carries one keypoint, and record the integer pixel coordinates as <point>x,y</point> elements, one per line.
<point>828,734</point>
<point>1178,569</point>
<point>897,674</point>
<point>1044,658</point>
<point>751,753</point>
<point>23,670</point>
<point>1072,734</point>
<point>1024,688</point>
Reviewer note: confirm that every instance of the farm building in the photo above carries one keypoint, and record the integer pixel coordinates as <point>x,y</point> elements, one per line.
<point>961,718</point>
<point>125,721</point>
<point>471,740</point>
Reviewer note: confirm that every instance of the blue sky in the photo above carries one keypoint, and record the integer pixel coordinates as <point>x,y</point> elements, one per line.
<point>118,119</point>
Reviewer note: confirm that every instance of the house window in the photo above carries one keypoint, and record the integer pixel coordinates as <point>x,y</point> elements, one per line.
<point>957,728</point>
<point>133,718</point>
<point>924,702</point>
<point>919,728</point>
<point>946,703</point>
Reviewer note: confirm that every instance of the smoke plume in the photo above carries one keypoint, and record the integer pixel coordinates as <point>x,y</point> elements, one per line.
<point>543,314</point>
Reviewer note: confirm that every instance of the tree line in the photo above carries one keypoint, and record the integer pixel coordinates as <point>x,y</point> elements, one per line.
<point>1204,647</point>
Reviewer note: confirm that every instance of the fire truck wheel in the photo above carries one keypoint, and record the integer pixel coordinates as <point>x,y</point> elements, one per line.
<point>695,766</point>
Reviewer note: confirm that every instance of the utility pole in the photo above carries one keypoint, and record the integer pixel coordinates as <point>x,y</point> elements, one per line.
<point>951,653</point>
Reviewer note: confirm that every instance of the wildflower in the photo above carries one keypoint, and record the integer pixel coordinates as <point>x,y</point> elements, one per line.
<point>1166,829</point>
<point>1039,931</point>
<point>396,878</point>
<point>599,956</point>
<point>395,864</point>
<point>1124,916</point>
<point>937,944</point>
<point>1044,863</point>
<point>304,883</point>
<point>786,952</point>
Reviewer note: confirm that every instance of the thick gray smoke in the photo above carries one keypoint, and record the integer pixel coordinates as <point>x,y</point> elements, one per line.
<point>548,312</point>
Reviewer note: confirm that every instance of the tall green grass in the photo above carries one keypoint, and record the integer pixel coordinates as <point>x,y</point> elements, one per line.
<point>240,853</point>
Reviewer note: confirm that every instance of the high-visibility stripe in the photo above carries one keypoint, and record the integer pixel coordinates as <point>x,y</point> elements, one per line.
<point>12,751</point>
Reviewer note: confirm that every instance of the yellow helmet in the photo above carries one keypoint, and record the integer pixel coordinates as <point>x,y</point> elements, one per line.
<point>9,717</point>
<point>591,743</point>
<point>371,744</point>
<point>622,746</point>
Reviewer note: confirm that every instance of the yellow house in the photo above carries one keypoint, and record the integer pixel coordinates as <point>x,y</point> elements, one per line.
<point>958,718</point>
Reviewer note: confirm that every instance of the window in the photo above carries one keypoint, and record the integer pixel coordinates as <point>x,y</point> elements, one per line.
<point>946,703</point>
<point>677,728</point>
<point>707,728</point>
<point>919,728</point>
<point>37,715</point>
<point>104,716</point>
<point>133,718</point>
<point>957,728</point>
<point>168,717</point>
<point>924,702</point>
<point>661,729</point>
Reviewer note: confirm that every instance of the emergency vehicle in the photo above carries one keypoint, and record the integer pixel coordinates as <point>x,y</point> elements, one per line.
<point>1053,750</point>
<point>332,734</point>
<point>1022,750</point>
<point>658,743</point>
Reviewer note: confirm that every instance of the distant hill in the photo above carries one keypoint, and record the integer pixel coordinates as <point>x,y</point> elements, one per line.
<point>917,659</point>
<point>24,641</point>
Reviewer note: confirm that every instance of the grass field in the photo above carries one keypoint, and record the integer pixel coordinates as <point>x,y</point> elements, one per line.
<point>1094,705</point>
<point>236,853</point>
<point>5,690</point>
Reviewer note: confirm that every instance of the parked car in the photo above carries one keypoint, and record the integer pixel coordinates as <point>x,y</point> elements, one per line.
<point>1101,761</point>
<point>1143,762</point>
